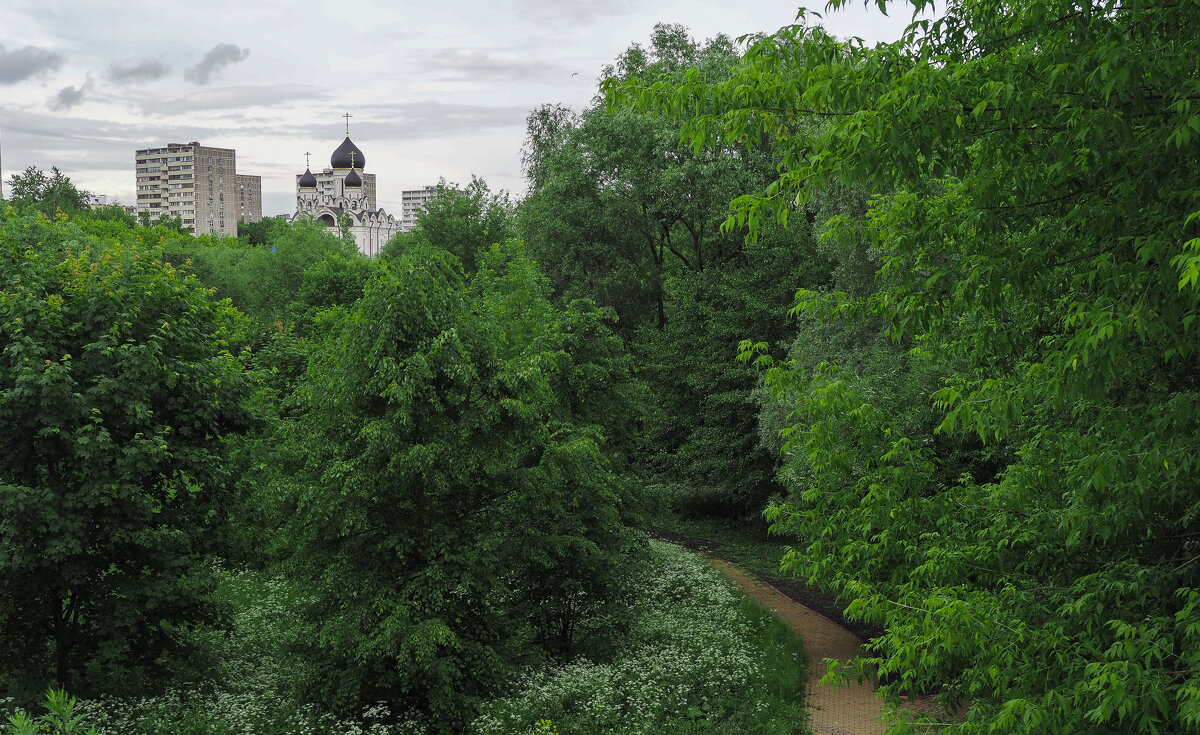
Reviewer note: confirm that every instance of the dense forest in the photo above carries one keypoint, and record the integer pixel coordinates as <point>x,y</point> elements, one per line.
<point>926,311</point>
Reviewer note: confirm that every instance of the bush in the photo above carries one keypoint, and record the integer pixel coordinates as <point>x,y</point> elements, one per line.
<point>695,650</point>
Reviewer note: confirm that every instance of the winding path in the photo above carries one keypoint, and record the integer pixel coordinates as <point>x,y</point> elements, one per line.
<point>845,710</point>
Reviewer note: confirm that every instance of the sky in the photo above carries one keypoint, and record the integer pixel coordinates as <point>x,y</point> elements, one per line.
<point>435,90</point>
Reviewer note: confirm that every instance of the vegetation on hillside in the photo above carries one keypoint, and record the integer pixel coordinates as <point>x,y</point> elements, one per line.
<point>991,452</point>
<point>931,305</point>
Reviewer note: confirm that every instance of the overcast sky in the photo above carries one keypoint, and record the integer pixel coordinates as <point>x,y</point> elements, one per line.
<point>435,89</point>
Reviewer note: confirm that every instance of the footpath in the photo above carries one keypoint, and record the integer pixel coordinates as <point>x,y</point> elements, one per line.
<point>851,709</point>
<point>847,709</point>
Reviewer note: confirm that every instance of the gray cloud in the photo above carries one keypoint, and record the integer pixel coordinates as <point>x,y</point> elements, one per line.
<point>474,65</point>
<point>416,121</point>
<point>146,70</point>
<point>573,12</point>
<point>68,97</point>
<point>99,137</point>
<point>235,98</point>
<point>21,64</point>
<point>221,56</point>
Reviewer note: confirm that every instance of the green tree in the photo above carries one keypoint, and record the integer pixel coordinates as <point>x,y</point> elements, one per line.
<point>46,193</point>
<point>464,222</point>
<point>260,232</point>
<point>1034,212</point>
<point>569,572</point>
<point>113,213</point>
<point>264,281</point>
<point>619,212</point>
<point>615,204</point>
<point>429,441</point>
<point>116,390</point>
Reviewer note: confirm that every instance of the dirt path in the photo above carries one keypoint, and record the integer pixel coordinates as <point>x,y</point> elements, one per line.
<point>846,710</point>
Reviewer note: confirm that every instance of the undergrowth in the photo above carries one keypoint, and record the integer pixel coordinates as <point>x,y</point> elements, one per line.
<point>699,658</point>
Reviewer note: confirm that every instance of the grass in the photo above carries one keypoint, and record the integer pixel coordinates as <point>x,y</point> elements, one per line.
<point>745,543</point>
<point>748,545</point>
<point>249,694</point>
<point>701,658</point>
<point>784,669</point>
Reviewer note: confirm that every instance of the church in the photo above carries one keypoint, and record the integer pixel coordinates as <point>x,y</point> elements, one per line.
<point>344,188</point>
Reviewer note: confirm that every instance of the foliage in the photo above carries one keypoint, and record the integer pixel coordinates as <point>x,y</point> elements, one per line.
<point>422,429</point>
<point>591,372</point>
<point>614,200</point>
<point>464,222</point>
<point>570,571</point>
<point>116,389</point>
<point>261,232</point>
<point>48,194</point>
<point>60,718</point>
<point>1034,213</point>
<point>264,281</point>
<point>698,658</point>
<point>251,692</point>
<point>110,213</point>
<point>620,213</point>
<point>706,431</point>
<point>169,222</point>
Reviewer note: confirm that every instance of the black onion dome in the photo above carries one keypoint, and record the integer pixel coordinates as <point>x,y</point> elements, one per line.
<point>353,180</point>
<point>341,158</point>
<point>307,180</point>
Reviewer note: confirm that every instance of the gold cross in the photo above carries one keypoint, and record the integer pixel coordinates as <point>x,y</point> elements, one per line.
<point>351,159</point>
<point>347,116</point>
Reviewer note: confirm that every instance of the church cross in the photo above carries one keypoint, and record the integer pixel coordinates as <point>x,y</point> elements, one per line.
<point>351,159</point>
<point>306,163</point>
<point>347,116</point>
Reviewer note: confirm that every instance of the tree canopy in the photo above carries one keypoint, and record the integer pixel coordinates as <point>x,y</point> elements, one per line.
<point>117,389</point>
<point>48,193</point>
<point>1033,212</point>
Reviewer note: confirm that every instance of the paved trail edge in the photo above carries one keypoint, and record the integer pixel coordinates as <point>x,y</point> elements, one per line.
<point>851,709</point>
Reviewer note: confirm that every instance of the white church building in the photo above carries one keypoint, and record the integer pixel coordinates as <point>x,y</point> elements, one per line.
<point>344,188</point>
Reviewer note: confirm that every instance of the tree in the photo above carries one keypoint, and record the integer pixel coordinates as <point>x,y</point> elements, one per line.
<point>620,213</point>
<point>431,444</point>
<point>464,222</point>
<point>569,572</point>
<point>615,204</point>
<point>47,193</point>
<point>260,232</point>
<point>116,390</point>
<point>264,281</point>
<point>1034,212</point>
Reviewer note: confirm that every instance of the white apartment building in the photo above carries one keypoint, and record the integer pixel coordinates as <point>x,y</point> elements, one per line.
<point>412,203</point>
<point>199,184</point>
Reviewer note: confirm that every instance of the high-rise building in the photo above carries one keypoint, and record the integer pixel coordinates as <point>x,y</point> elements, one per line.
<point>249,198</point>
<point>412,203</point>
<point>197,183</point>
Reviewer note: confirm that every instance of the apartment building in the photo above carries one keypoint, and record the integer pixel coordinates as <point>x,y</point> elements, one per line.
<point>412,203</point>
<point>197,183</point>
<point>249,198</point>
